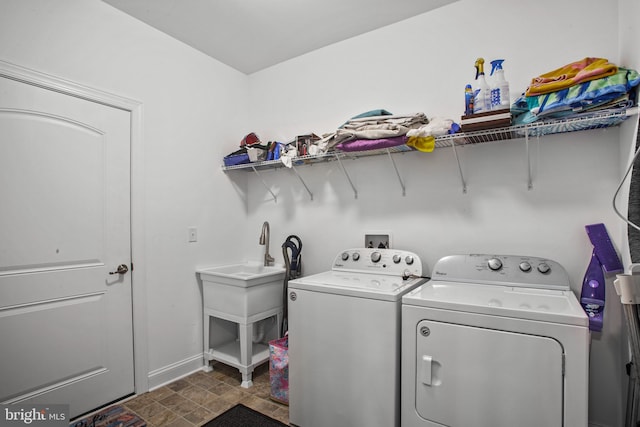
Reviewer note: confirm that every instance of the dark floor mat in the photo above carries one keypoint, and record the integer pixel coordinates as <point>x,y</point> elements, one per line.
<point>241,416</point>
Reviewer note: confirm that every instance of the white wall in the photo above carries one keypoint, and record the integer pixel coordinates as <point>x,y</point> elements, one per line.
<point>196,110</point>
<point>193,111</point>
<point>423,64</point>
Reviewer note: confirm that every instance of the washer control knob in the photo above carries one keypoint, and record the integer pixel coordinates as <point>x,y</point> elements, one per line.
<point>408,260</point>
<point>544,268</point>
<point>494,264</point>
<point>375,256</point>
<point>525,266</point>
<point>355,256</point>
<point>396,259</point>
<point>345,256</point>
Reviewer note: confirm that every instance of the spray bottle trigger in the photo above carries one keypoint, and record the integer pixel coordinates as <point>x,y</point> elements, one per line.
<point>496,64</point>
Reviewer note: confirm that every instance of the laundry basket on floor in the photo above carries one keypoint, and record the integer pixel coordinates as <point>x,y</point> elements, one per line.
<point>279,369</point>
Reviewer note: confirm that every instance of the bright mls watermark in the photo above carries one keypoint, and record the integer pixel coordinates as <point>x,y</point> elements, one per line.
<point>34,415</point>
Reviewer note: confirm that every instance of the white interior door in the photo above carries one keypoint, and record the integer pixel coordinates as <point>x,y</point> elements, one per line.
<point>65,322</point>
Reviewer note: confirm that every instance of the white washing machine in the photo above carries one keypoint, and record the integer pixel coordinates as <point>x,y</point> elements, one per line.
<point>344,339</point>
<point>494,341</point>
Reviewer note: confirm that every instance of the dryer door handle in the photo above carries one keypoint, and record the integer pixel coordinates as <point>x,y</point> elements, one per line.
<point>425,374</point>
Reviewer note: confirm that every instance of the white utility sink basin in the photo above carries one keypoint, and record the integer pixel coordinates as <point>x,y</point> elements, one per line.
<point>244,294</point>
<point>244,275</point>
<point>242,291</point>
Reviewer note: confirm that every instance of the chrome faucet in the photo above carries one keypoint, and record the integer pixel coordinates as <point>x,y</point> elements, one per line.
<point>264,240</point>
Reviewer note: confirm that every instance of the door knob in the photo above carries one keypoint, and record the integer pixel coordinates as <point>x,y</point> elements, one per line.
<point>122,269</point>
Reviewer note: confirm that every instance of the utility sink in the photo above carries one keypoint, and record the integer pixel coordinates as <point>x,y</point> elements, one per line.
<point>244,275</point>
<point>242,290</point>
<point>238,301</point>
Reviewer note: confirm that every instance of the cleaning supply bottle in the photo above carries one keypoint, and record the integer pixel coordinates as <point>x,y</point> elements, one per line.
<point>593,293</point>
<point>482,93</point>
<point>468,100</point>
<point>500,90</point>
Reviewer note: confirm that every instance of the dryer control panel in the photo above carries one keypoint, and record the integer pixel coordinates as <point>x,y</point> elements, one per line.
<point>391,262</point>
<point>507,270</point>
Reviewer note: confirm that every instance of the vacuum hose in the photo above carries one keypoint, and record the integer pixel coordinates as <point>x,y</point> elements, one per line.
<point>293,267</point>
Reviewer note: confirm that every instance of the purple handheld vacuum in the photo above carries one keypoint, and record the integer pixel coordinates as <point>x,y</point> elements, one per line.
<point>603,259</point>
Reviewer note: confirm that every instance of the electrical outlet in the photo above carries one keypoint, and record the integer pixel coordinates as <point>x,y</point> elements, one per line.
<point>377,240</point>
<point>193,234</point>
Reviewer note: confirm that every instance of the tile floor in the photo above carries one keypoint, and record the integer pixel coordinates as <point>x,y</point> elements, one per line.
<point>200,397</point>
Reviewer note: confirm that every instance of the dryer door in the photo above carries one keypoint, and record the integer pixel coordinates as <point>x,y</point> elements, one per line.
<point>471,376</point>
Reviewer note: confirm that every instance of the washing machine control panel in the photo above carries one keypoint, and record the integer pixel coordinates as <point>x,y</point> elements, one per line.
<point>509,270</point>
<point>392,262</point>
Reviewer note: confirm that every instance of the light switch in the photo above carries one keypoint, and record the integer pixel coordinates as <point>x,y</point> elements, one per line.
<point>193,234</point>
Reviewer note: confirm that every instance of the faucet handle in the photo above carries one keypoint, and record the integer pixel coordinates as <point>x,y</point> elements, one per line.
<point>268,259</point>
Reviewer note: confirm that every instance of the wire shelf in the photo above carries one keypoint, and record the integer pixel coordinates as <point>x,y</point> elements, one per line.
<point>582,122</point>
<point>319,158</point>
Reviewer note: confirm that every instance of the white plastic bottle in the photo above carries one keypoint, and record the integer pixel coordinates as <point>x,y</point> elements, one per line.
<point>482,92</point>
<point>500,90</point>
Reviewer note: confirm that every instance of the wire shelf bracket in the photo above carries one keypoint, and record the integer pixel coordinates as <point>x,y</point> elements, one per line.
<point>344,171</point>
<point>404,190</point>
<point>275,199</point>
<point>293,168</point>
<point>455,153</point>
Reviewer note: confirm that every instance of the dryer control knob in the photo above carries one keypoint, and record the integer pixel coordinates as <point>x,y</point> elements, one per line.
<point>544,268</point>
<point>345,256</point>
<point>355,256</point>
<point>525,266</point>
<point>494,264</point>
<point>409,260</point>
<point>397,259</point>
<point>375,256</point>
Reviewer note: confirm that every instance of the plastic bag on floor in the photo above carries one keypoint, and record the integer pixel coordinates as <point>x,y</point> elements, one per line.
<point>279,369</point>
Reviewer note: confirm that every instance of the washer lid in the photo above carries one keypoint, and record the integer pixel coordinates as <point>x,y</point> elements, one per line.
<point>498,300</point>
<point>363,285</point>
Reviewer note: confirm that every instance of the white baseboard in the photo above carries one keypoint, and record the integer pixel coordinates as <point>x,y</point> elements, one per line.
<point>175,371</point>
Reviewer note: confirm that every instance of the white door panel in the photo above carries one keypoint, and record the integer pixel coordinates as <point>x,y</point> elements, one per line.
<point>44,178</point>
<point>65,322</point>
<point>472,376</point>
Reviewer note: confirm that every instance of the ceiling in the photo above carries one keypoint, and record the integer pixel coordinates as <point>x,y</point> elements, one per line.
<point>250,35</point>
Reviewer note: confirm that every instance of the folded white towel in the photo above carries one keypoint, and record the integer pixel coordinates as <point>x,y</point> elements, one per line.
<point>437,126</point>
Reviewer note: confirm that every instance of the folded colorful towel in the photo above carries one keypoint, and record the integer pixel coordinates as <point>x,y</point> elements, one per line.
<point>586,95</point>
<point>571,74</point>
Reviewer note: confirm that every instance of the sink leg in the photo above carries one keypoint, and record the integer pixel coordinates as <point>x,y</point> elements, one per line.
<point>246,353</point>
<point>207,362</point>
<point>247,380</point>
<point>205,344</point>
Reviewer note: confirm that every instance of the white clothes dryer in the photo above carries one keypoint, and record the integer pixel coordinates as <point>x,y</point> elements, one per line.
<point>344,339</point>
<point>494,341</point>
